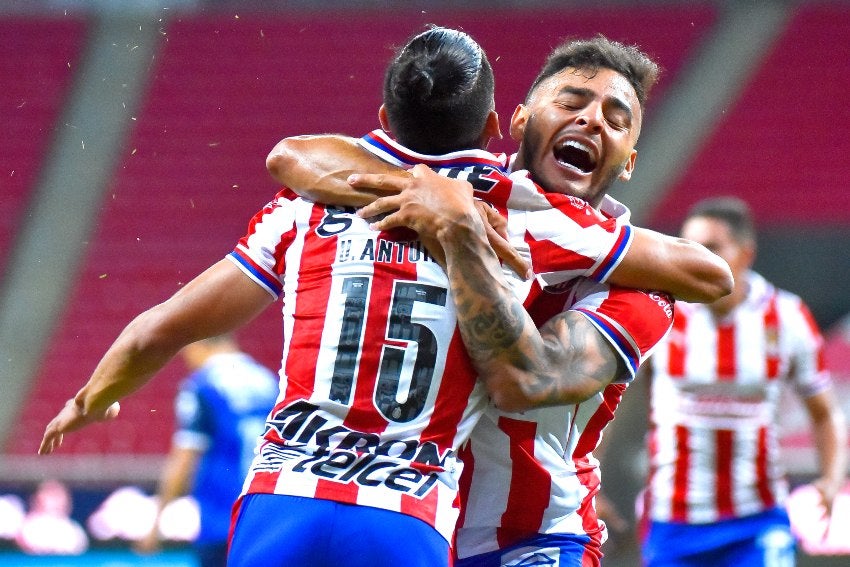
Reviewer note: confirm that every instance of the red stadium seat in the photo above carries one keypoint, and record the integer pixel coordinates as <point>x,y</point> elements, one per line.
<point>783,145</point>
<point>38,58</point>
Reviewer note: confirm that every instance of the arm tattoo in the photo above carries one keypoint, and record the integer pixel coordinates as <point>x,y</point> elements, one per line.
<point>575,355</point>
<point>565,361</point>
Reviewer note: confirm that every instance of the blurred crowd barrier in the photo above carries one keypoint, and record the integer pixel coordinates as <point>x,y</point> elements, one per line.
<point>44,523</point>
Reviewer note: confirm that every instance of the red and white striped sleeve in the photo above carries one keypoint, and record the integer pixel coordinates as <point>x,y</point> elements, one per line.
<point>260,253</point>
<point>633,321</point>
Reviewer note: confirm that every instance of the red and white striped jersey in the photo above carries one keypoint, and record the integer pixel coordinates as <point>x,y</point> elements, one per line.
<point>563,237</point>
<point>377,391</point>
<point>534,472</point>
<point>714,393</point>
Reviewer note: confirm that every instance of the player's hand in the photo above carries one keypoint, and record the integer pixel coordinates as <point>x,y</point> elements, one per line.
<point>497,235</point>
<point>69,419</point>
<point>428,203</point>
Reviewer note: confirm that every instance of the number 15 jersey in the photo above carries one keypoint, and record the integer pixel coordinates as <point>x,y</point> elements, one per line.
<point>377,391</point>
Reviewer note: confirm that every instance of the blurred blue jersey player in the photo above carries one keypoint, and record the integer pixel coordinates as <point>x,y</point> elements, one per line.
<point>221,410</point>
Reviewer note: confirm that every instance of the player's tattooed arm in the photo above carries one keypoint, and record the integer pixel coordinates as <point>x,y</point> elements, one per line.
<point>566,361</point>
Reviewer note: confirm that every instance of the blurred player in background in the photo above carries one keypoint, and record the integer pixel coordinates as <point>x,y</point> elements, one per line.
<point>221,411</point>
<point>715,492</point>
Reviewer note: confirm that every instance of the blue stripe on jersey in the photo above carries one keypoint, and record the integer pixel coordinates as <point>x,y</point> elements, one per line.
<point>625,348</point>
<point>256,273</point>
<point>612,261</point>
<point>397,155</point>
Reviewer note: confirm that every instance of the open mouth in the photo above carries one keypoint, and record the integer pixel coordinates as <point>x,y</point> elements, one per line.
<point>575,155</point>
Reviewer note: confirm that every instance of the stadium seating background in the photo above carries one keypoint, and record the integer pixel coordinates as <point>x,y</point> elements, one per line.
<point>225,84</point>
<point>222,92</point>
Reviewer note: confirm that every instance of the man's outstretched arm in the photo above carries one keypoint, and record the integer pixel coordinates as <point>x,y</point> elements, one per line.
<point>318,168</point>
<point>218,301</point>
<point>683,268</point>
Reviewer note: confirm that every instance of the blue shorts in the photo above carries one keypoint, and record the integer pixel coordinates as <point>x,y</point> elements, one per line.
<point>550,550</point>
<point>761,540</point>
<point>273,530</point>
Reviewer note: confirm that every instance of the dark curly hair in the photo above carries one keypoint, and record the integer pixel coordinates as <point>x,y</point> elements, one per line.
<point>602,53</point>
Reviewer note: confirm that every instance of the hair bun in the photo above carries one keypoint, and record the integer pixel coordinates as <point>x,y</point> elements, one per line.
<point>415,82</point>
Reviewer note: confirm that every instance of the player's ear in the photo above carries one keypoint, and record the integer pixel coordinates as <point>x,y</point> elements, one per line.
<point>492,130</point>
<point>518,120</point>
<point>748,250</point>
<point>626,174</point>
<point>382,118</point>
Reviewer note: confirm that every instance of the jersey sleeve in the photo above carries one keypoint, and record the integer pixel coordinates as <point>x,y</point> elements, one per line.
<point>260,253</point>
<point>562,249</point>
<point>633,321</point>
<point>809,372</point>
<point>565,236</point>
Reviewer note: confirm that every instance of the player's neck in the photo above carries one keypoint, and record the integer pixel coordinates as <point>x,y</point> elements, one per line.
<point>726,305</point>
